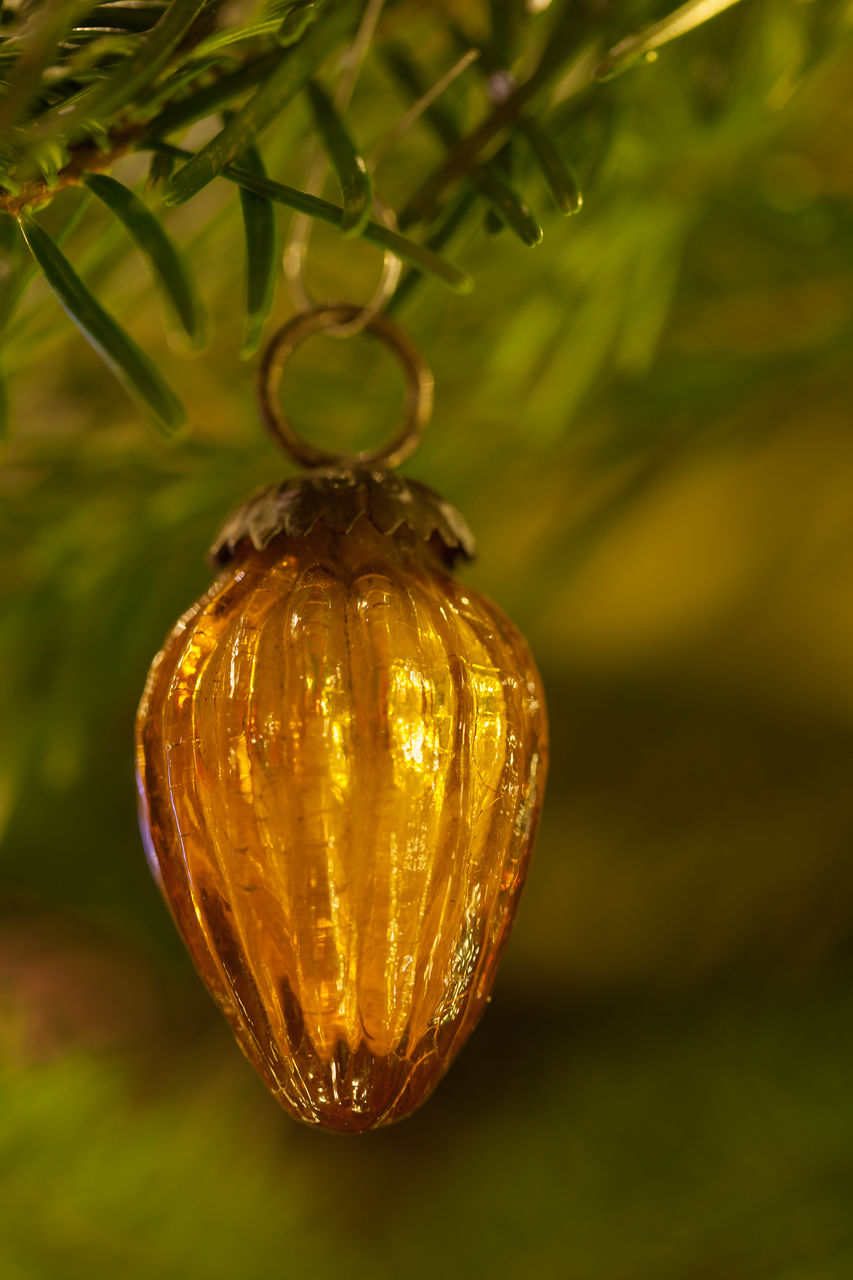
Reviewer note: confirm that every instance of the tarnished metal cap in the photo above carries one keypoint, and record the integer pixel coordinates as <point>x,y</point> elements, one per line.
<point>337,497</point>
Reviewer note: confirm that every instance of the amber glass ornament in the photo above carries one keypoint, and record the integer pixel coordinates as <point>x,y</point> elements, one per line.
<point>341,753</point>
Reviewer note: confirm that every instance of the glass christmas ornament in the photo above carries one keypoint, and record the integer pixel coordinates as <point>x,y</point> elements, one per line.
<point>341,753</point>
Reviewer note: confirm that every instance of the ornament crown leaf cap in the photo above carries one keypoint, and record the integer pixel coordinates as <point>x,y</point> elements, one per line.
<point>338,497</point>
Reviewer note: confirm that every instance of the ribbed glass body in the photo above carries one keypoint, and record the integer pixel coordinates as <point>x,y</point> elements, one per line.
<point>341,752</point>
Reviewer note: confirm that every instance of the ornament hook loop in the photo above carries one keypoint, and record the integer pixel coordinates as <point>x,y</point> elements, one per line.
<point>329,319</point>
<point>294,270</point>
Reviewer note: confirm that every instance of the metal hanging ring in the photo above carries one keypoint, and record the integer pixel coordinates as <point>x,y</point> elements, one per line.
<point>328,319</point>
<point>294,270</point>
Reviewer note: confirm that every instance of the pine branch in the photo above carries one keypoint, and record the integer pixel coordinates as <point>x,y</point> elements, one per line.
<point>587,68</point>
<point>86,84</point>
<point>408,251</point>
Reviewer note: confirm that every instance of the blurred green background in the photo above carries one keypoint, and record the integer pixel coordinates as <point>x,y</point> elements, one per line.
<point>646,420</point>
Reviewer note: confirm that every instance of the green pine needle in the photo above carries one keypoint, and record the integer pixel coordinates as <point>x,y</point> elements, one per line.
<point>116,348</point>
<point>558,173</point>
<point>349,165</point>
<point>261,253</point>
<point>167,264</point>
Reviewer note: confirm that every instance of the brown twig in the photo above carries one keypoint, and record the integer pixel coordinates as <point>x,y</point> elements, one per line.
<point>86,157</point>
<point>482,143</point>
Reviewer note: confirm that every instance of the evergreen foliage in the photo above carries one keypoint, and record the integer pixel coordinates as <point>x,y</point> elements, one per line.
<point>85,84</point>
